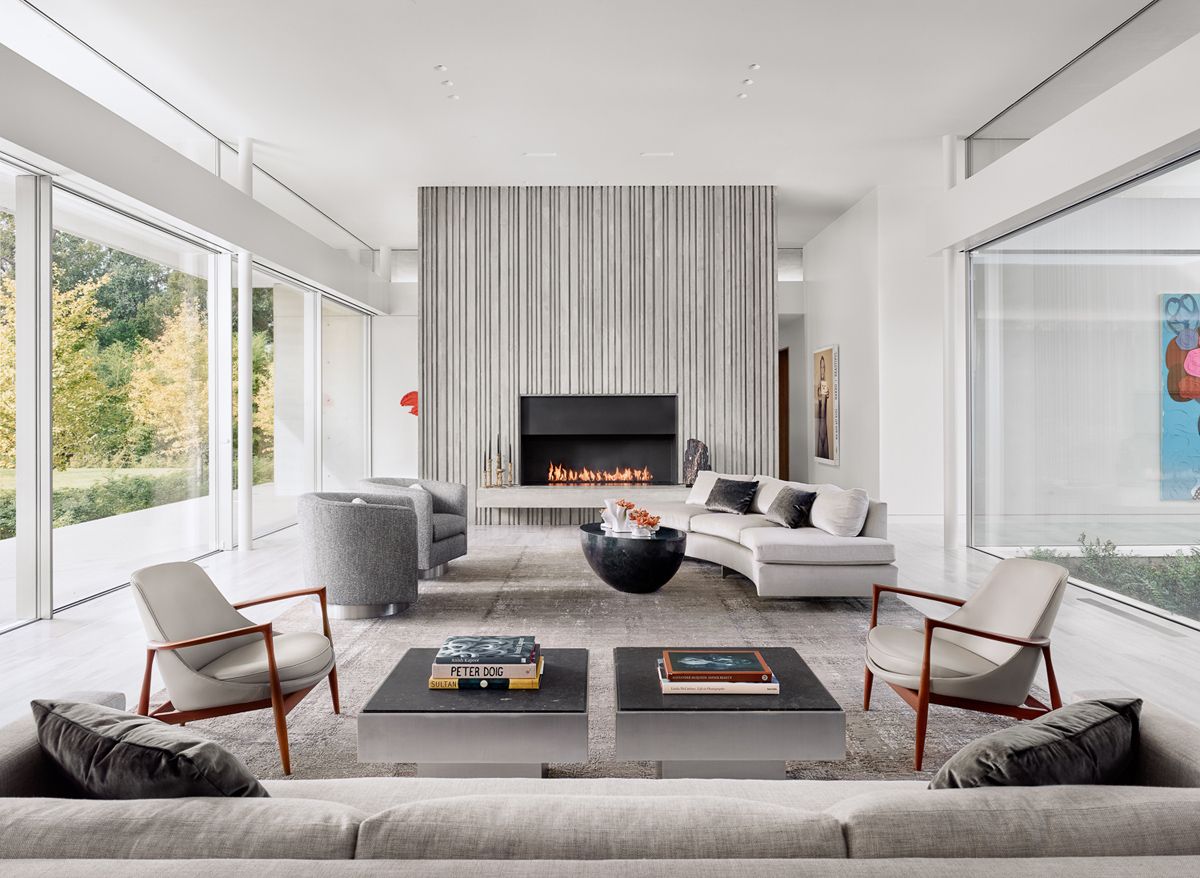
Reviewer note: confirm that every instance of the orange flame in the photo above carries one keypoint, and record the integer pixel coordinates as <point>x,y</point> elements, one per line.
<point>565,475</point>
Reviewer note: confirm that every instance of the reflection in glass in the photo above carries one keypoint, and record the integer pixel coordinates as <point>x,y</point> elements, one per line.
<point>282,450</point>
<point>343,396</point>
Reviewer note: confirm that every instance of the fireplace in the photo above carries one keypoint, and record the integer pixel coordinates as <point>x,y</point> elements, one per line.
<point>593,440</point>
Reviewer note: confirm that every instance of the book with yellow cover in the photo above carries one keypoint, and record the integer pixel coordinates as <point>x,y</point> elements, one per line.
<point>482,683</point>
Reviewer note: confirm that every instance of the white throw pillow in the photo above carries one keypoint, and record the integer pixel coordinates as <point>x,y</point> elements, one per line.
<point>705,480</point>
<point>841,513</point>
<point>359,500</point>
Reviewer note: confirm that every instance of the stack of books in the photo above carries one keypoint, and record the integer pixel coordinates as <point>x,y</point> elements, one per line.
<point>715,672</point>
<point>487,662</point>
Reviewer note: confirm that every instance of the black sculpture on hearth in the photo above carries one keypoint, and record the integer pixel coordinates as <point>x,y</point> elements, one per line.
<point>695,459</point>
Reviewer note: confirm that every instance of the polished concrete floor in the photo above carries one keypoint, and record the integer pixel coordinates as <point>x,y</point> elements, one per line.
<point>1099,644</point>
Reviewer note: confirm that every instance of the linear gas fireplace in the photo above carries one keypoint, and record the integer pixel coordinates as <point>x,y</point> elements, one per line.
<point>594,440</point>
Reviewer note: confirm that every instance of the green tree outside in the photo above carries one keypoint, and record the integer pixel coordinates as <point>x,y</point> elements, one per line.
<point>130,381</point>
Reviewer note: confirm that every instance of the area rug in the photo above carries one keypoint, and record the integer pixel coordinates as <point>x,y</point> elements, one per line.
<point>551,592</point>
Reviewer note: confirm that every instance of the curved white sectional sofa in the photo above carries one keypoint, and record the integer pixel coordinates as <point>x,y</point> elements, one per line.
<point>784,562</point>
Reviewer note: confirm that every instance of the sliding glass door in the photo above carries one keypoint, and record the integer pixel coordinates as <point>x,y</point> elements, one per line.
<point>284,419</point>
<point>130,461</point>
<point>1086,392</point>
<point>14,607</point>
<point>130,323</point>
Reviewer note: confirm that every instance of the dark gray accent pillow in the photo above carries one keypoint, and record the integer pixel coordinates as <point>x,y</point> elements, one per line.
<point>792,508</point>
<point>111,754</point>
<point>731,495</point>
<point>1090,742</point>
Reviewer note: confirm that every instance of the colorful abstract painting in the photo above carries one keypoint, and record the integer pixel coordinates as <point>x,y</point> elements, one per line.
<point>1180,452</point>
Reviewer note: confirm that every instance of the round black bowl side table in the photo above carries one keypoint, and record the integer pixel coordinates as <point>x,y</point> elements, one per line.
<point>637,565</point>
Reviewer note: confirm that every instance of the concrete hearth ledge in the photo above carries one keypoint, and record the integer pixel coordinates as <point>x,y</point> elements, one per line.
<point>574,496</point>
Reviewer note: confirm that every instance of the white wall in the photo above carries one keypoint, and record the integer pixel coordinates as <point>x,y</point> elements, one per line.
<point>841,271</point>
<point>910,354</point>
<point>871,289</point>
<point>394,372</point>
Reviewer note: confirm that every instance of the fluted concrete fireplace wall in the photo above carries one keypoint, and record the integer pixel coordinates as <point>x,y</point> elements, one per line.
<point>596,290</point>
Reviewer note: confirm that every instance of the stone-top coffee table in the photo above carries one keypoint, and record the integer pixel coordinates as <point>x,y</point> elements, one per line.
<point>637,565</point>
<point>744,736</point>
<point>477,732</point>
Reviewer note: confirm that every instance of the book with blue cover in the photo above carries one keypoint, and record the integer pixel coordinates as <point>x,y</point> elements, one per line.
<point>463,649</point>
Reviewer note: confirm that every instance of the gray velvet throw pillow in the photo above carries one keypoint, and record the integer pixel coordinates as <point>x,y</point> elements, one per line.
<point>731,495</point>
<point>792,508</point>
<point>1090,742</point>
<point>111,754</point>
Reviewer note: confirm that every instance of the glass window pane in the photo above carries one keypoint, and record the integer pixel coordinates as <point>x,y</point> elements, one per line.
<point>11,608</point>
<point>283,451</point>
<point>343,396</point>
<point>1086,390</point>
<point>130,398</point>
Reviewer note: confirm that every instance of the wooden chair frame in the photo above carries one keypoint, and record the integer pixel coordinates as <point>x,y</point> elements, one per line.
<point>279,703</point>
<point>920,699</point>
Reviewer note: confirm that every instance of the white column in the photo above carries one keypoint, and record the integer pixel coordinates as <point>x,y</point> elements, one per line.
<point>312,390</point>
<point>953,414</point>
<point>245,365</point>
<point>384,270</point>
<point>35,598</point>
<point>221,375</point>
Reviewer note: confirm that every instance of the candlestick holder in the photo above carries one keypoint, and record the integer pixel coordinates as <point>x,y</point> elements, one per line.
<point>497,473</point>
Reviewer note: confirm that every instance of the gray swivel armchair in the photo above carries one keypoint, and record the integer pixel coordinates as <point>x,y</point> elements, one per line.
<point>363,549</point>
<point>441,509</point>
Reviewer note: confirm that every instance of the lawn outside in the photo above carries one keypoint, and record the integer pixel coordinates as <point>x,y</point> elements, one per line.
<point>88,476</point>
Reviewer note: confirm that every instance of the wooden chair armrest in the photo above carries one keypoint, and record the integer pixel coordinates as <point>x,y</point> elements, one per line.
<point>1038,642</point>
<point>319,591</point>
<point>927,595</point>
<point>160,646</point>
<point>879,589</point>
<point>283,596</point>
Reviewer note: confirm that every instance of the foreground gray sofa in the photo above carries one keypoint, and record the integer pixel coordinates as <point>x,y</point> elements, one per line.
<point>441,509</point>
<point>693,828</point>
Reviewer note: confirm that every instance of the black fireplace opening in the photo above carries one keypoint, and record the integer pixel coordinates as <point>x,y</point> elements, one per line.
<point>581,440</point>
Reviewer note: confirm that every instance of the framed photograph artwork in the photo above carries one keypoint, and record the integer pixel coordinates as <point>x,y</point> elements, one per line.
<point>826,399</point>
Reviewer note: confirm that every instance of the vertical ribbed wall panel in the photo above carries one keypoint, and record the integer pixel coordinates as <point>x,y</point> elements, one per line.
<point>606,289</point>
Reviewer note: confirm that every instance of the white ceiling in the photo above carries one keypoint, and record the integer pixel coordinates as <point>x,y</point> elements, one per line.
<point>349,111</point>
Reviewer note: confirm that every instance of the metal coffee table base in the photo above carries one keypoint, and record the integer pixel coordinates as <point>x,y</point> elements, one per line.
<point>705,739</point>
<point>476,769</point>
<point>767,769</point>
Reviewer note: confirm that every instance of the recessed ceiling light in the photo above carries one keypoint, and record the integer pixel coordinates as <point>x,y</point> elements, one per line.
<point>744,82</point>
<point>755,66</point>
<point>743,95</point>
<point>657,155</point>
<point>447,82</point>
<point>453,97</point>
<point>442,68</point>
<point>540,155</point>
